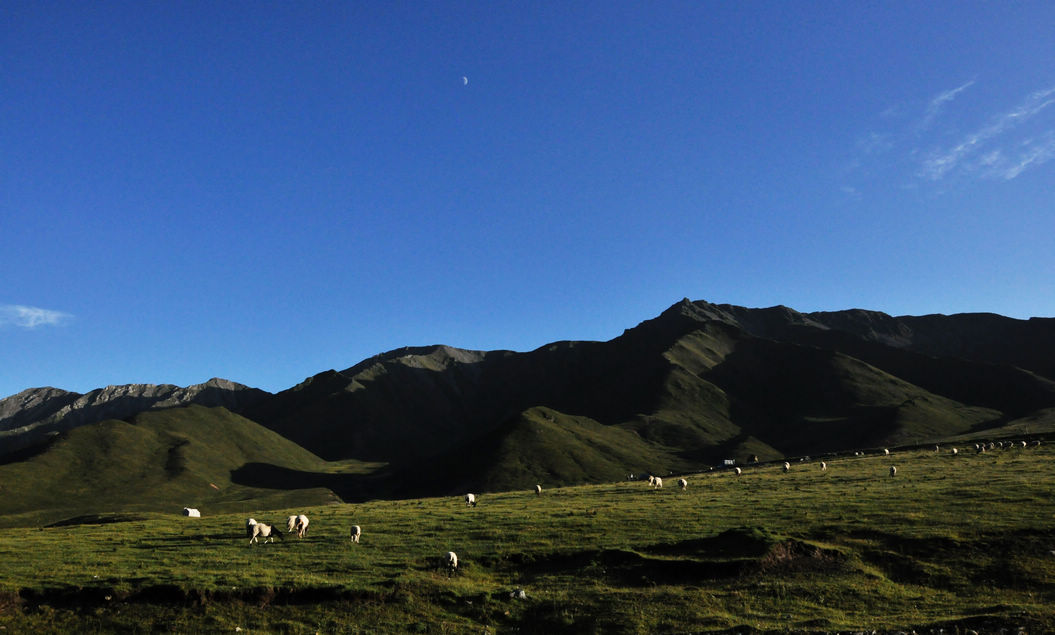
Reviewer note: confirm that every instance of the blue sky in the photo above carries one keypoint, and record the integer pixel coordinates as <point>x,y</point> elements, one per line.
<point>262,191</point>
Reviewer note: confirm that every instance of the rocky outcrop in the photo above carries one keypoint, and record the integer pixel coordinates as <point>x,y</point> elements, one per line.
<point>29,417</point>
<point>32,405</point>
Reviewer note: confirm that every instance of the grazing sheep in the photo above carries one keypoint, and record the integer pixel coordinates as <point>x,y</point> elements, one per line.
<point>249,522</point>
<point>1023,444</point>
<point>470,500</point>
<point>265,531</point>
<point>191,512</point>
<point>302,525</point>
<point>452,563</point>
<point>886,452</point>
<point>538,490</point>
<point>738,471</point>
<point>787,466</point>
<point>1036,443</point>
<point>824,466</point>
<point>658,483</point>
<point>954,451</point>
<point>356,532</point>
<point>893,470</point>
<point>682,483</point>
<point>937,448</point>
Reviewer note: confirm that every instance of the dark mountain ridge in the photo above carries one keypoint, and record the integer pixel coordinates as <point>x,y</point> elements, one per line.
<point>693,380</point>
<point>699,383</point>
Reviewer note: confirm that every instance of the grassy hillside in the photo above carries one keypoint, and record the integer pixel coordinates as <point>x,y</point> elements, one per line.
<point>950,542</point>
<point>160,461</point>
<point>547,447</point>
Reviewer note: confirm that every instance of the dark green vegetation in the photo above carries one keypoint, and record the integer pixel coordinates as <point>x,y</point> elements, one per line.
<point>951,542</point>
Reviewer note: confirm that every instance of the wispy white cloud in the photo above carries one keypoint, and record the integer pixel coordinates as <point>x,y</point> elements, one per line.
<point>929,144</point>
<point>1030,154</point>
<point>31,317</point>
<point>935,106</point>
<point>940,163</point>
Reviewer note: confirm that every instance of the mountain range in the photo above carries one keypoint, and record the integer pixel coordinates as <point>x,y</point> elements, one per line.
<point>696,385</point>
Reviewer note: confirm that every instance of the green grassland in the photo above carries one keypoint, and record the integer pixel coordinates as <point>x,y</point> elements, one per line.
<point>950,542</point>
<point>168,459</point>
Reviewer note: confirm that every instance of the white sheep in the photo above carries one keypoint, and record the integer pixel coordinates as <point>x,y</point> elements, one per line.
<point>265,531</point>
<point>824,466</point>
<point>658,483</point>
<point>682,483</point>
<point>298,524</point>
<point>190,512</point>
<point>538,490</point>
<point>356,532</point>
<point>738,471</point>
<point>452,563</point>
<point>893,470</point>
<point>886,452</point>
<point>787,466</point>
<point>954,451</point>
<point>470,500</point>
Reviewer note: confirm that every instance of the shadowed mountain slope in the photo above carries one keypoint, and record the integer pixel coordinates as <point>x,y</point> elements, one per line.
<point>698,383</point>
<point>541,446</point>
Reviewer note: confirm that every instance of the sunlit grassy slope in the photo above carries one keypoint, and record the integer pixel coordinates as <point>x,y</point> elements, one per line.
<point>950,542</point>
<point>163,460</point>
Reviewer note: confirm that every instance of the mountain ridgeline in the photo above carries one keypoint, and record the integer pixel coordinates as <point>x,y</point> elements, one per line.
<point>697,384</point>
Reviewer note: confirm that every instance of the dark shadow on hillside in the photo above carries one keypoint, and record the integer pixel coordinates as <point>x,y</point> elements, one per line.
<point>28,452</point>
<point>736,553</point>
<point>992,384</point>
<point>794,398</point>
<point>97,519</point>
<point>351,488</point>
